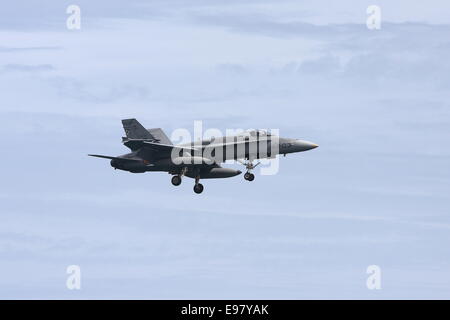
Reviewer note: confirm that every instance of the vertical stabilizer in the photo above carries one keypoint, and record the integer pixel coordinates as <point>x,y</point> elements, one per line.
<point>134,130</point>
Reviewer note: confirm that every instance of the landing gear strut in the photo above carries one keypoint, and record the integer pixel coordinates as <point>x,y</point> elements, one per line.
<point>176,180</point>
<point>249,176</point>
<point>198,187</point>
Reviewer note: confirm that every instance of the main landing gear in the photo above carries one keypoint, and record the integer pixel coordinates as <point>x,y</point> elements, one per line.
<point>198,187</point>
<point>249,176</point>
<point>176,181</point>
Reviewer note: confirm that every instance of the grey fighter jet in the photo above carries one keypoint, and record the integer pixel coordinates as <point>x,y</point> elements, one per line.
<point>152,150</point>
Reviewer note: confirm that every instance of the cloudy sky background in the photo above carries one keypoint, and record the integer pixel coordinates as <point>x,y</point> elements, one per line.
<point>376,191</point>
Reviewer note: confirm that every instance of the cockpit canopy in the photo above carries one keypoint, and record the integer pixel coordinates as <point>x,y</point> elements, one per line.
<point>259,132</point>
<point>255,133</point>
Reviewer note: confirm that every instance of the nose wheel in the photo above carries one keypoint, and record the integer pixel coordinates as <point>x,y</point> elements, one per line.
<point>249,176</point>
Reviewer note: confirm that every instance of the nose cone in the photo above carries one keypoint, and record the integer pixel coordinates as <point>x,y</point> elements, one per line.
<point>302,145</point>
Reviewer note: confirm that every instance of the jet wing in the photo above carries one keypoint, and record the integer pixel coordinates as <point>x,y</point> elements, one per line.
<point>113,158</point>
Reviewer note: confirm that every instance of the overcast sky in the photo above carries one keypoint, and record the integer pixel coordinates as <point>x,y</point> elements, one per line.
<point>376,191</point>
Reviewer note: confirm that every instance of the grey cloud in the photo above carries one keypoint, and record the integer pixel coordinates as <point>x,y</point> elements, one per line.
<point>50,14</point>
<point>232,68</point>
<point>411,53</point>
<point>27,49</point>
<point>414,52</point>
<point>27,68</point>
<point>324,64</point>
<point>80,91</point>
<point>269,27</point>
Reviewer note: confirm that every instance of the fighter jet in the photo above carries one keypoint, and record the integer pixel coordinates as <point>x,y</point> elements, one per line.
<point>152,150</point>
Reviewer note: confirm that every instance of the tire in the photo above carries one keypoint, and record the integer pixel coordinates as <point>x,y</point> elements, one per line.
<point>176,180</point>
<point>198,188</point>
<point>251,177</point>
<point>247,175</point>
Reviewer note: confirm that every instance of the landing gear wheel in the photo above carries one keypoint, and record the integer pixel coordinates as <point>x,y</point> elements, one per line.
<point>198,188</point>
<point>249,166</point>
<point>176,180</point>
<point>249,176</point>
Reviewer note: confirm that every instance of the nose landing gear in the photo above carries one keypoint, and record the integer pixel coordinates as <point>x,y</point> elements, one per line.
<point>249,176</point>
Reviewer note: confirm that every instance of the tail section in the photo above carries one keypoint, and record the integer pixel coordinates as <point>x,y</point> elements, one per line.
<point>135,130</point>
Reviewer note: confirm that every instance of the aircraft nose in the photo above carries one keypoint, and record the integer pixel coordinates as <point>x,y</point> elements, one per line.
<point>303,145</point>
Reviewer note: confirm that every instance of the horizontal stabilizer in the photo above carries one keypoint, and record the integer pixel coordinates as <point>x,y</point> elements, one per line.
<point>159,135</point>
